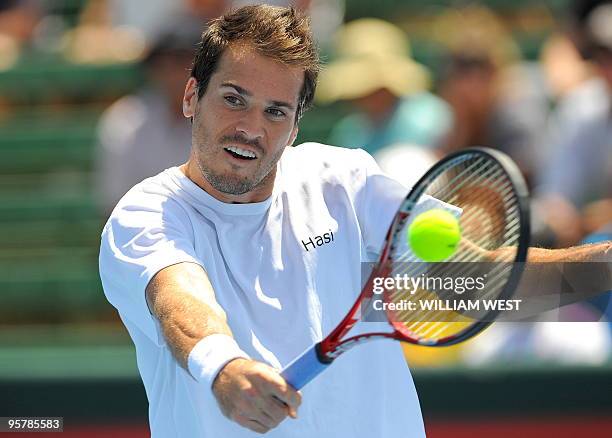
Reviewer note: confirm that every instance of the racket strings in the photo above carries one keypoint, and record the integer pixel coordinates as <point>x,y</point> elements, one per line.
<point>447,197</point>
<point>490,220</point>
<point>495,278</point>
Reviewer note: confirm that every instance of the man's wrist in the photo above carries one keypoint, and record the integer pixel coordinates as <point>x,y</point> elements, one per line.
<point>210,355</point>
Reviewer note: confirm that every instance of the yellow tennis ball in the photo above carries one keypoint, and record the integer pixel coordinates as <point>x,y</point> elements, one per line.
<point>434,235</point>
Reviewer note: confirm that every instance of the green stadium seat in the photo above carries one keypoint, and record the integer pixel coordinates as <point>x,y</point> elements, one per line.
<point>35,81</point>
<point>50,233</point>
<point>47,141</point>
<point>54,284</point>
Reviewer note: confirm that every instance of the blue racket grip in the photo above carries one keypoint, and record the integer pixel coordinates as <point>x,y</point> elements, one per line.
<point>304,368</point>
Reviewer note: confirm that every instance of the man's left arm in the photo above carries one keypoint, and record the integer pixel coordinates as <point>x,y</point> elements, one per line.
<point>572,274</point>
<point>598,252</point>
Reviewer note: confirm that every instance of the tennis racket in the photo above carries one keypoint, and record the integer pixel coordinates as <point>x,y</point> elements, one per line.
<point>491,194</point>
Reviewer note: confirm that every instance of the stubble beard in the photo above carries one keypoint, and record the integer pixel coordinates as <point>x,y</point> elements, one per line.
<point>234,184</point>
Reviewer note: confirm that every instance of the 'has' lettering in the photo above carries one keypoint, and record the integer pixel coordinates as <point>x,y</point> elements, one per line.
<point>316,241</point>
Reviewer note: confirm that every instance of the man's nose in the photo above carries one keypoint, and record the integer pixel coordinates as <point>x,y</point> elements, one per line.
<point>252,125</point>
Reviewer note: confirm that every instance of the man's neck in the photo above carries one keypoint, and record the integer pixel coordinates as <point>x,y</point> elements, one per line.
<point>262,192</point>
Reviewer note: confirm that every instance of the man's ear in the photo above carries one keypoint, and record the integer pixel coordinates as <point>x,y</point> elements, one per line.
<point>190,98</point>
<point>294,134</point>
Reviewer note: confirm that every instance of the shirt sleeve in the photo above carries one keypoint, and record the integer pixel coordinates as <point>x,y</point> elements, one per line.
<point>136,243</point>
<point>377,203</point>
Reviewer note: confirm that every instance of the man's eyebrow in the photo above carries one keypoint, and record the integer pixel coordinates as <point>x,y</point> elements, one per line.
<point>244,92</point>
<point>238,88</point>
<point>283,105</point>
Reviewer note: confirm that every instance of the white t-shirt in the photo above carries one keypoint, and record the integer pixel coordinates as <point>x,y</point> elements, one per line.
<point>283,281</point>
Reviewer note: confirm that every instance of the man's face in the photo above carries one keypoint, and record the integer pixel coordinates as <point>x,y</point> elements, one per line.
<point>244,121</point>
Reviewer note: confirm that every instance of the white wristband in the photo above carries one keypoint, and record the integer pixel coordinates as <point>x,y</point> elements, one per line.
<point>210,355</point>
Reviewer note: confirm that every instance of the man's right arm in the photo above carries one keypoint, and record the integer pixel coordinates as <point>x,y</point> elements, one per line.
<point>251,393</point>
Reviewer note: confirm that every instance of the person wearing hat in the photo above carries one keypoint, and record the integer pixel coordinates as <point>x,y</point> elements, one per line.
<point>374,73</point>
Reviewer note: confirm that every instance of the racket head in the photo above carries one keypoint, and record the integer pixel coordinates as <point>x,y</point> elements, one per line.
<point>494,203</point>
<point>490,191</point>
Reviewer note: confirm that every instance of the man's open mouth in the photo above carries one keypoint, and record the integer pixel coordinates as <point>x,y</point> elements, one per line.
<point>242,154</point>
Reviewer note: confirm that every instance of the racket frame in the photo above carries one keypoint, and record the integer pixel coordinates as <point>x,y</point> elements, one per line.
<point>319,356</point>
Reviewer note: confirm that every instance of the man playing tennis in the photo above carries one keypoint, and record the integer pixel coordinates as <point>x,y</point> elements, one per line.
<point>226,268</point>
<point>247,258</point>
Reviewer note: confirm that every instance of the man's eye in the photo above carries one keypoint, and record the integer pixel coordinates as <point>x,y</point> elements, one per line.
<point>276,112</point>
<point>232,100</point>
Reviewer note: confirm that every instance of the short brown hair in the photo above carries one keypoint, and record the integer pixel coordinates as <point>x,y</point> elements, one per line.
<point>278,33</point>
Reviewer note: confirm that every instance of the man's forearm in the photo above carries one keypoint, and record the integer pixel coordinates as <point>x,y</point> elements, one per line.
<point>185,318</point>
<point>572,274</point>
<point>194,325</point>
<point>599,252</point>
<point>185,321</point>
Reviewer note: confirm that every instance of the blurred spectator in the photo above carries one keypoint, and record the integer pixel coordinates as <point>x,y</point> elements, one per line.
<point>144,133</point>
<point>575,190</point>
<point>579,169</point>
<point>578,92</point>
<point>96,40</point>
<point>374,73</point>
<point>565,71</point>
<point>119,31</point>
<point>18,21</point>
<point>497,101</point>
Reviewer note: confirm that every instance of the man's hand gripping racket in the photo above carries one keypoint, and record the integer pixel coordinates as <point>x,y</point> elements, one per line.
<point>488,189</point>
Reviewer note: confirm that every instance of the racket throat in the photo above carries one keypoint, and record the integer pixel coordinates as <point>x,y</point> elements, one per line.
<point>323,357</point>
